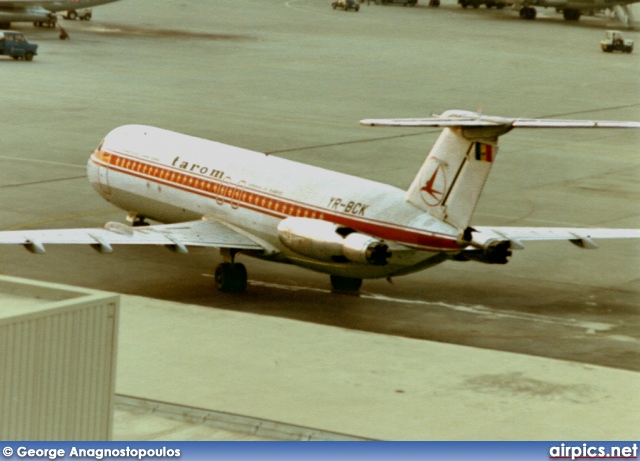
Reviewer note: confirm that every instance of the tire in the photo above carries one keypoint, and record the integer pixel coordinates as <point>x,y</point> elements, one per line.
<point>528,12</point>
<point>345,284</point>
<point>231,278</point>
<point>28,56</point>
<point>72,15</point>
<point>571,14</point>
<point>239,274</point>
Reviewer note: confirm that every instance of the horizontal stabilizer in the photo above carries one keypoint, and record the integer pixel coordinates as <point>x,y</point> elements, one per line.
<point>456,118</point>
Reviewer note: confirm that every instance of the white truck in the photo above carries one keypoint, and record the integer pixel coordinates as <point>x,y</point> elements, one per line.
<point>83,14</point>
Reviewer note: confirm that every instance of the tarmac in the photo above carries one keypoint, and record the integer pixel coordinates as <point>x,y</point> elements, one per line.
<point>359,385</point>
<point>195,373</point>
<point>546,347</point>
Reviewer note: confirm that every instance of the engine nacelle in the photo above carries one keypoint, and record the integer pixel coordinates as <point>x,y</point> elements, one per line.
<point>487,248</point>
<point>327,241</point>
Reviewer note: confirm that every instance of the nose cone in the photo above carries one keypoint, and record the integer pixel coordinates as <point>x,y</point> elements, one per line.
<point>98,171</point>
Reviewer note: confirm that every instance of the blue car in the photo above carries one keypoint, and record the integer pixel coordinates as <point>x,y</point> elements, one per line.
<point>15,45</point>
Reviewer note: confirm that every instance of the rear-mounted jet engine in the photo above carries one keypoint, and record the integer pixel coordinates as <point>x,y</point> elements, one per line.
<point>328,241</point>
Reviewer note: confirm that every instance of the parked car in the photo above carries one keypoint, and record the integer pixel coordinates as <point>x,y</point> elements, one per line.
<point>346,5</point>
<point>614,41</point>
<point>14,44</point>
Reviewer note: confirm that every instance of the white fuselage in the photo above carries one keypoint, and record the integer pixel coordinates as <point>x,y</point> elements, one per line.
<point>171,177</point>
<point>53,5</point>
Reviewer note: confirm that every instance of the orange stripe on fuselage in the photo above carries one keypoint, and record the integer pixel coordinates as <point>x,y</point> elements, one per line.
<point>267,203</point>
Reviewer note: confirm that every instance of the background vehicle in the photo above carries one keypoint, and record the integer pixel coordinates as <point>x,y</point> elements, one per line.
<point>15,45</point>
<point>346,5</point>
<point>83,14</point>
<point>404,2</point>
<point>615,41</point>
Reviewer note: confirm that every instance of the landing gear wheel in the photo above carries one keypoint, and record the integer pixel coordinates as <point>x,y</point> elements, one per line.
<point>571,14</point>
<point>139,221</point>
<point>345,284</point>
<point>528,12</point>
<point>231,278</point>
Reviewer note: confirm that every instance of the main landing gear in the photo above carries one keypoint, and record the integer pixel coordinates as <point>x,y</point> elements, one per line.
<point>137,220</point>
<point>528,12</point>
<point>345,285</point>
<point>230,276</point>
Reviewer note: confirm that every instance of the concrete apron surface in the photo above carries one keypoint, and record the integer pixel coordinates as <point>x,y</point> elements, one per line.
<point>364,384</point>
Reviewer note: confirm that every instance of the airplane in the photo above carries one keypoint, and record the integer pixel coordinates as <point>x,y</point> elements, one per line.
<point>210,194</point>
<point>40,12</point>
<point>572,9</point>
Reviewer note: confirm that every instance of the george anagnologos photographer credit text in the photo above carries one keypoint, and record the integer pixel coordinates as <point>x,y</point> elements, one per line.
<point>92,453</point>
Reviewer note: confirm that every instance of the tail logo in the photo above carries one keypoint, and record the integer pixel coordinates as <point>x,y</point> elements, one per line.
<point>435,186</point>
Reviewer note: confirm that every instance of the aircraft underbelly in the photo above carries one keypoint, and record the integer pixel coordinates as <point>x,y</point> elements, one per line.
<point>24,16</point>
<point>420,261</point>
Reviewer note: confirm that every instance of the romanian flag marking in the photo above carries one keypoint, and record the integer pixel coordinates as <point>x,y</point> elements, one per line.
<point>484,152</point>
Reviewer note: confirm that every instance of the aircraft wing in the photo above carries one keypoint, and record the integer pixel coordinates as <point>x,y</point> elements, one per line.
<point>580,236</point>
<point>202,233</point>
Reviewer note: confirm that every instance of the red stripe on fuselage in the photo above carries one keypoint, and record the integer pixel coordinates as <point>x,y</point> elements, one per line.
<point>268,204</point>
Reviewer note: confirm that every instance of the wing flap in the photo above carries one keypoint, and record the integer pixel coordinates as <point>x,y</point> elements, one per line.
<point>202,233</point>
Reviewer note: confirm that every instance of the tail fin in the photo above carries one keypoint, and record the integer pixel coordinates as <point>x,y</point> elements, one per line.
<point>450,181</point>
<point>449,184</point>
